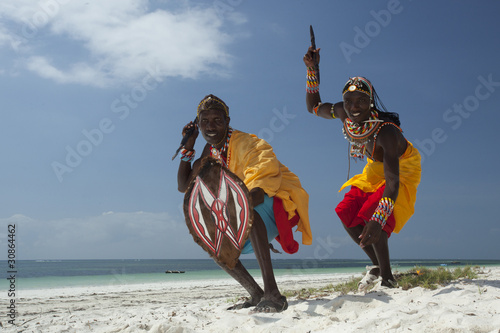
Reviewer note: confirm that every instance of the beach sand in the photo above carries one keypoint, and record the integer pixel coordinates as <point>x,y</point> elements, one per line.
<point>200,306</point>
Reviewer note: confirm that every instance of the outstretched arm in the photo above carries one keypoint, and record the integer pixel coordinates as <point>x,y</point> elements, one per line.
<point>313,99</point>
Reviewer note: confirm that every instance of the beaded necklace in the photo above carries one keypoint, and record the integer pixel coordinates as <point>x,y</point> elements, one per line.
<point>219,153</point>
<point>358,135</point>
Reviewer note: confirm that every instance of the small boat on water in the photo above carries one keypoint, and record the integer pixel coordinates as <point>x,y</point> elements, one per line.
<point>174,271</point>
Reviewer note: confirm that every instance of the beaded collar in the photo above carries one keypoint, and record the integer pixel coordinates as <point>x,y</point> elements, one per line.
<point>219,153</point>
<point>359,134</point>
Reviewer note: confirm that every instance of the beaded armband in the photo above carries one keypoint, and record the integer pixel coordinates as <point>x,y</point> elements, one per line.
<point>312,84</point>
<point>187,155</point>
<point>332,111</point>
<point>383,211</point>
<point>315,109</point>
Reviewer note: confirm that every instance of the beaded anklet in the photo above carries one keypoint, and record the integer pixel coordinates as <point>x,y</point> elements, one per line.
<point>312,84</point>
<point>187,155</point>
<point>383,211</point>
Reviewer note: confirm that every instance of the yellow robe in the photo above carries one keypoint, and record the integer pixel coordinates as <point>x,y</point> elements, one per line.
<point>373,178</point>
<point>253,161</point>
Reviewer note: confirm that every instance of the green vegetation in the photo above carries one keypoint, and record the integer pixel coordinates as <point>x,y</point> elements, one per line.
<point>431,278</point>
<point>415,277</point>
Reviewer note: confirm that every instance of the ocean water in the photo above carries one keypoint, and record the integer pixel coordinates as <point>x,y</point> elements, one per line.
<point>48,274</point>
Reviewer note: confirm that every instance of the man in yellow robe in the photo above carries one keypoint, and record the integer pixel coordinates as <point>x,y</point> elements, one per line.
<point>280,203</point>
<point>382,198</point>
<point>253,161</point>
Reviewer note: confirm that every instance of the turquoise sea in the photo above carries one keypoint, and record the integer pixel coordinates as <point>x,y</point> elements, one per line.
<point>48,274</point>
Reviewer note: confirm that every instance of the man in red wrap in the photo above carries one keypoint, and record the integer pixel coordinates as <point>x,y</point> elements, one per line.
<point>382,198</point>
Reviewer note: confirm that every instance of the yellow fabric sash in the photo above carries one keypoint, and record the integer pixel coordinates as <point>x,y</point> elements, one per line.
<point>373,178</point>
<point>253,161</point>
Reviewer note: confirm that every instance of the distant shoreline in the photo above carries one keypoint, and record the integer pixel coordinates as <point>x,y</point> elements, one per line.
<point>110,273</point>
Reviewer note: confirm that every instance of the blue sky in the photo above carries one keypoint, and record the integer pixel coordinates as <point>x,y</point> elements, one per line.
<point>95,95</point>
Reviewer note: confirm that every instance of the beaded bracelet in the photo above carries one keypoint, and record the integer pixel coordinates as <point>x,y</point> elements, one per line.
<point>187,155</point>
<point>383,211</point>
<point>312,84</point>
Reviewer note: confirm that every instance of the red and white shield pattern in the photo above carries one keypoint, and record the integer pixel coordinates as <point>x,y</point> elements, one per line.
<point>218,208</point>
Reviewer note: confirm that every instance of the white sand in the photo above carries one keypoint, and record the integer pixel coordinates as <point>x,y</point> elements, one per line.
<point>462,306</point>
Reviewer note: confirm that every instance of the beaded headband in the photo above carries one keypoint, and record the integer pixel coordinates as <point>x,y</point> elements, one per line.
<point>212,102</point>
<point>358,83</point>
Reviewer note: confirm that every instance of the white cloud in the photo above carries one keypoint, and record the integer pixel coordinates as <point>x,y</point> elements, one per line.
<point>107,236</point>
<point>117,40</point>
<point>78,73</point>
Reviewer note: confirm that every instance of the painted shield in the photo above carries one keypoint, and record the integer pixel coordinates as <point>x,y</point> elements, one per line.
<point>218,212</point>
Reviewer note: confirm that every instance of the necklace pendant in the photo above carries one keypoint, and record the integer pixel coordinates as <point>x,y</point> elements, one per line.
<point>216,153</point>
